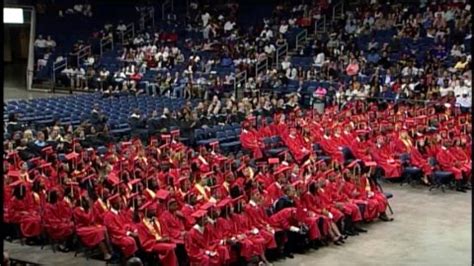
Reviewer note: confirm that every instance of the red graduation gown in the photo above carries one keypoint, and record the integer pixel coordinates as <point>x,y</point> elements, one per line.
<point>117,229</point>
<point>174,226</point>
<point>91,234</point>
<point>57,222</point>
<point>249,140</point>
<point>24,213</point>
<point>348,208</point>
<point>196,246</point>
<point>253,244</point>
<point>382,156</point>
<point>298,148</point>
<point>259,220</point>
<point>148,233</point>
<point>447,162</point>
<point>312,203</point>
<point>310,220</point>
<point>98,210</point>
<point>216,243</point>
<point>274,192</point>
<point>187,211</point>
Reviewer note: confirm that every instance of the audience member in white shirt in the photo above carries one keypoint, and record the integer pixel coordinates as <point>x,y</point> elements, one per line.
<point>229,26</point>
<point>319,59</point>
<point>40,42</point>
<point>50,43</point>
<point>286,63</point>
<point>283,27</point>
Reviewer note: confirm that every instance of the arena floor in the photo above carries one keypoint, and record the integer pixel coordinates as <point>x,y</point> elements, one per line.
<point>430,228</point>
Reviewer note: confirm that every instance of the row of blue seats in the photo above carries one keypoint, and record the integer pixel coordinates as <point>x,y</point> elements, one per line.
<point>228,136</point>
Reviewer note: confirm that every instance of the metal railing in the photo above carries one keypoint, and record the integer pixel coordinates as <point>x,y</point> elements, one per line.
<point>261,65</point>
<point>106,42</point>
<point>320,25</point>
<point>130,32</point>
<point>57,66</point>
<point>281,51</point>
<point>164,6</point>
<point>82,53</point>
<point>338,10</point>
<point>147,17</point>
<point>301,39</point>
<point>240,77</point>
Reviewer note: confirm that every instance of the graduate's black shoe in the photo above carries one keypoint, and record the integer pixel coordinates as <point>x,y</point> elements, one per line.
<point>385,218</point>
<point>461,190</point>
<point>337,243</point>
<point>289,255</point>
<point>360,229</point>
<point>350,233</point>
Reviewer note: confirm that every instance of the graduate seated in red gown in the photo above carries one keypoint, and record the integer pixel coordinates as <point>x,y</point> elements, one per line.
<point>197,244</point>
<point>318,208</point>
<point>89,232</point>
<point>121,233</point>
<point>154,237</point>
<point>58,220</point>
<point>23,212</point>
<point>249,138</point>
<point>449,159</point>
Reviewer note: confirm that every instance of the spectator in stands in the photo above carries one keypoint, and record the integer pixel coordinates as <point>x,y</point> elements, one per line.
<point>50,43</point>
<point>40,42</point>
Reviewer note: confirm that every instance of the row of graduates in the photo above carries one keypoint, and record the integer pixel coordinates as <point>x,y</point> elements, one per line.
<point>430,139</point>
<point>141,206</point>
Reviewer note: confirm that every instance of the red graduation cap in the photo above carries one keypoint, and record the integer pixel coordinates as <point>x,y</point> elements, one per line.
<point>208,205</point>
<point>153,141</point>
<point>175,132</point>
<point>114,198</point>
<point>165,136</point>
<point>162,194</point>
<point>238,199</point>
<point>134,182</point>
<point>213,144</point>
<point>273,160</point>
<point>16,183</point>
<point>224,202</point>
<point>125,144</point>
<point>182,179</point>
<point>113,178</point>
<point>72,156</point>
<point>281,169</point>
<point>148,206</point>
<point>352,164</point>
<point>47,150</point>
<point>133,195</point>
<point>370,164</point>
<point>199,214</point>
<point>45,165</point>
<point>14,173</point>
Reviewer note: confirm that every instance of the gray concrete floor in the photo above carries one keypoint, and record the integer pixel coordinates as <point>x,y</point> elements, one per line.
<point>430,228</point>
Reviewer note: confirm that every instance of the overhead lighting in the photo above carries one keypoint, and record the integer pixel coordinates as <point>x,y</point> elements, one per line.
<point>13,16</point>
